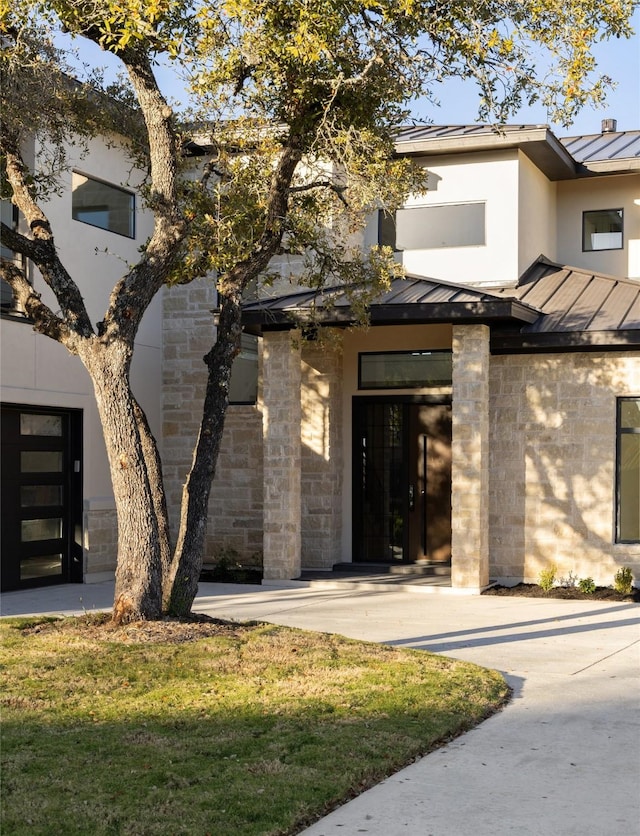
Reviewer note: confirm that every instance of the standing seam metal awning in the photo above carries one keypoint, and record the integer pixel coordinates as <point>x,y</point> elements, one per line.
<point>411,300</point>
<point>552,307</point>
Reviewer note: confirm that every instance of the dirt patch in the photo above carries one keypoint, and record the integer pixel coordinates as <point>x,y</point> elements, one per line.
<point>532,590</point>
<point>168,630</point>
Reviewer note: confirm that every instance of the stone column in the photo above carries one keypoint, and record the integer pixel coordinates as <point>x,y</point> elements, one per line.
<point>322,452</point>
<point>470,458</point>
<point>281,425</point>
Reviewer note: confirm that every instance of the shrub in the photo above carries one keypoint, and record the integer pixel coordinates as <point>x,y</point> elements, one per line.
<point>570,582</point>
<point>587,586</point>
<point>547,577</point>
<point>623,580</point>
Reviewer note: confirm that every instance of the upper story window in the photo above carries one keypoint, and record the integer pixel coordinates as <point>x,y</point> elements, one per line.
<point>628,470</point>
<point>103,205</point>
<point>434,227</point>
<point>9,214</point>
<point>602,230</point>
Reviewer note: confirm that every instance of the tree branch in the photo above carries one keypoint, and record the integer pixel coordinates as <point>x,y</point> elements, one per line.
<point>44,320</point>
<point>322,184</point>
<point>42,250</point>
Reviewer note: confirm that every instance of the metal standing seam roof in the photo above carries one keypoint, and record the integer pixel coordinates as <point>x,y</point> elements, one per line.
<point>577,307</point>
<point>619,145</point>
<point>551,306</point>
<point>589,153</point>
<point>409,300</point>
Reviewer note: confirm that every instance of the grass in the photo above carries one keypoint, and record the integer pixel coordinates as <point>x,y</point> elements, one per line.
<point>258,729</point>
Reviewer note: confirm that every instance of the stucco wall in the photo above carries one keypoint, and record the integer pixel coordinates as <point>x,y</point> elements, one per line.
<point>37,371</point>
<point>491,178</point>
<point>552,464</point>
<point>577,196</point>
<point>537,221</point>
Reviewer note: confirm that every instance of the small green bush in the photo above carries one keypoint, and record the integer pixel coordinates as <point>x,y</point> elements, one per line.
<point>587,586</point>
<point>547,577</point>
<point>623,580</point>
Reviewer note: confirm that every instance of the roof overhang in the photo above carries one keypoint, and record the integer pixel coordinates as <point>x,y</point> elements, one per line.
<point>537,143</point>
<point>511,343</point>
<point>286,313</point>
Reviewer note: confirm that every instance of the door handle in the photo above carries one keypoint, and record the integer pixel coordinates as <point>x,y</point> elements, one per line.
<point>412,497</point>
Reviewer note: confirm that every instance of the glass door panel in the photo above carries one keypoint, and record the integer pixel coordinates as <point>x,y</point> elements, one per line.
<point>41,496</point>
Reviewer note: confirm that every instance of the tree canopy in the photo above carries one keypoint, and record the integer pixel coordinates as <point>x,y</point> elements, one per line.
<point>293,106</point>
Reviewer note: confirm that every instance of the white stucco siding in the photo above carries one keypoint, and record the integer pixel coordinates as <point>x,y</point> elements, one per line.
<point>612,192</point>
<point>37,371</point>
<point>97,258</point>
<point>536,215</point>
<point>491,179</point>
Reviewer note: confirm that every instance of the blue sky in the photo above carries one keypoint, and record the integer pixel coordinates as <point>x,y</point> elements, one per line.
<point>619,59</point>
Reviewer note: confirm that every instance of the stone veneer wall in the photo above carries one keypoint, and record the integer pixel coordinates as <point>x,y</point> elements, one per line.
<point>281,386</point>
<point>100,543</point>
<point>552,464</point>
<point>322,454</point>
<point>470,457</point>
<point>235,507</point>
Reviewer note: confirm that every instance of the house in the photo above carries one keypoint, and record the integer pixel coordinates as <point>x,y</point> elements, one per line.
<point>58,512</point>
<point>487,422</point>
<point>489,417</point>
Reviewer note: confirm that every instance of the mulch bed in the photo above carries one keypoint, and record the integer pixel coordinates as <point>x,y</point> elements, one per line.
<point>532,590</point>
<point>169,630</point>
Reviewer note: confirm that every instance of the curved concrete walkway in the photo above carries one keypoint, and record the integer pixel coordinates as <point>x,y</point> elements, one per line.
<point>562,759</point>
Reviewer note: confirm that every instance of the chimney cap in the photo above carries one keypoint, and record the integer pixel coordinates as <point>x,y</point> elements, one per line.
<point>609,126</point>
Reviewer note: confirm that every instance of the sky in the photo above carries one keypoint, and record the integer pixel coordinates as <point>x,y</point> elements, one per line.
<point>619,59</point>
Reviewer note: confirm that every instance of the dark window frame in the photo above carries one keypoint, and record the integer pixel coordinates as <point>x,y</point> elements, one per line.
<point>587,212</point>
<point>620,431</point>
<point>131,194</point>
<point>406,352</point>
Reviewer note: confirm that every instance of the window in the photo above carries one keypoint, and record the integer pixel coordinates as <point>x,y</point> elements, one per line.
<point>434,227</point>
<point>100,204</point>
<point>9,215</point>
<point>243,387</point>
<point>404,369</point>
<point>628,470</point>
<point>602,230</point>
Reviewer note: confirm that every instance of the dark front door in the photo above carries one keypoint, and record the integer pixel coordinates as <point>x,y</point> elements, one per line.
<point>402,481</point>
<point>41,496</point>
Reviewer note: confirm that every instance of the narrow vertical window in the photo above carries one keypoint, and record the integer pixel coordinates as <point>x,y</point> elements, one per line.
<point>628,470</point>
<point>9,216</point>
<point>243,387</point>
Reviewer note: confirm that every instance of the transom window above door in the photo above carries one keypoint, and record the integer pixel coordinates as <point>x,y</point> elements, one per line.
<point>417,369</point>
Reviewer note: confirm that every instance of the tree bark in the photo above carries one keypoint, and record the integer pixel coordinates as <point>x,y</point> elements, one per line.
<point>138,589</point>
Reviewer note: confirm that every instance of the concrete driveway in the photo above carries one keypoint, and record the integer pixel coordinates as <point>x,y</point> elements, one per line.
<point>562,758</point>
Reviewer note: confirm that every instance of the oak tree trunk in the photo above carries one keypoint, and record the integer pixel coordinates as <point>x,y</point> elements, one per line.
<point>141,539</point>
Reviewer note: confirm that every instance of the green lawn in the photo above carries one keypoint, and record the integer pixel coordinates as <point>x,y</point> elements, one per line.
<point>257,729</point>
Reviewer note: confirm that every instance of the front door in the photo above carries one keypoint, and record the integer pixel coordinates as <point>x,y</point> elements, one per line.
<point>41,496</point>
<point>402,481</point>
